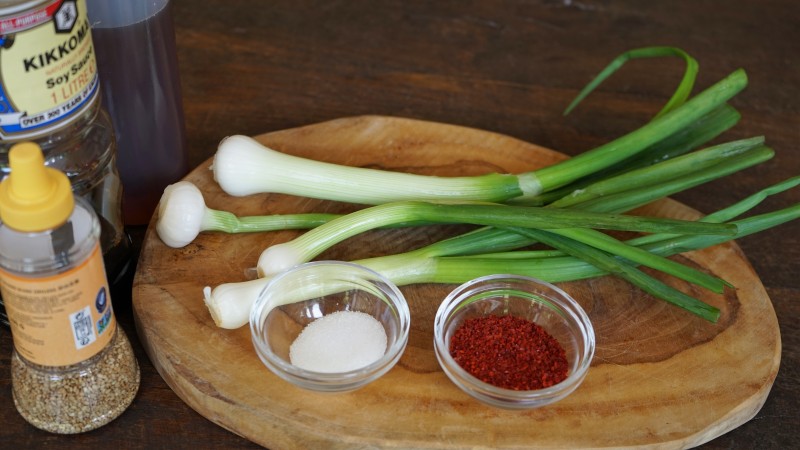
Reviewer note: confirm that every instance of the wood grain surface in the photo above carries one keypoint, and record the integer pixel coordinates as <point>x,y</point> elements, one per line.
<point>509,66</point>
<point>661,377</point>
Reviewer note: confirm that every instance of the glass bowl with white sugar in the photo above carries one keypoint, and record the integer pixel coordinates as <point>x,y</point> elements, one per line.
<point>330,326</point>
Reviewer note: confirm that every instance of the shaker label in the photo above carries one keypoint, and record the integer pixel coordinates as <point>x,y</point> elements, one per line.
<point>63,319</point>
<point>48,74</point>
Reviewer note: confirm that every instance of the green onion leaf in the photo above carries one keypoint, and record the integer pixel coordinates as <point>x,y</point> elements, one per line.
<point>625,271</point>
<point>678,97</point>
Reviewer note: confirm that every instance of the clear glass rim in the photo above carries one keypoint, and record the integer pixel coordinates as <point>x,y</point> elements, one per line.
<point>334,380</point>
<point>562,302</point>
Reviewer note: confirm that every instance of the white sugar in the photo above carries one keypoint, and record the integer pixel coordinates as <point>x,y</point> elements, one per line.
<point>339,342</point>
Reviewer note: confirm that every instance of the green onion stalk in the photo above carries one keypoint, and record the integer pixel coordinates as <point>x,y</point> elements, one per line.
<point>182,213</point>
<point>690,138</point>
<point>617,196</point>
<point>649,163</point>
<point>556,268</point>
<point>229,304</point>
<point>578,261</point>
<point>678,97</point>
<point>229,297</point>
<point>302,249</point>
<point>243,166</point>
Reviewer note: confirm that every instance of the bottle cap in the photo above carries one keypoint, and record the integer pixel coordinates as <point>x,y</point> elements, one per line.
<point>34,197</point>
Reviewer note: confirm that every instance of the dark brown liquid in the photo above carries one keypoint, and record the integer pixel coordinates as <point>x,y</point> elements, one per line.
<point>141,91</point>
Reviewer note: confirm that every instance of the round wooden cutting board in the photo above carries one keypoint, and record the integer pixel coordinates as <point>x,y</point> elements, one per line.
<point>661,378</point>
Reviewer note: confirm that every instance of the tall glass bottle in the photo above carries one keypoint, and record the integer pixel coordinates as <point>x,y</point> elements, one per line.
<point>50,95</point>
<point>138,66</point>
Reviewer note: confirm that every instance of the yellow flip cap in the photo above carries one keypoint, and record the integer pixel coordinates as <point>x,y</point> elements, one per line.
<point>34,197</point>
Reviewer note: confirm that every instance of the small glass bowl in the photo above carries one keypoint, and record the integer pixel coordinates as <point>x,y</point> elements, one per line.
<point>304,293</point>
<point>524,297</point>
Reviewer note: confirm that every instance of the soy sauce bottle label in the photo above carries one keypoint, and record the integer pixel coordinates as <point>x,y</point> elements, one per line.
<point>48,74</point>
<point>63,319</point>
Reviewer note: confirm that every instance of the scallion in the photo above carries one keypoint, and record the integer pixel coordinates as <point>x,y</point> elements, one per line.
<point>678,97</point>
<point>305,247</point>
<point>243,166</point>
<point>574,198</point>
<point>183,214</point>
<point>229,303</point>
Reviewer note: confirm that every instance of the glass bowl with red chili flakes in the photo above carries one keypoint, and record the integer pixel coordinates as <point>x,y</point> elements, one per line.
<point>513,342</point>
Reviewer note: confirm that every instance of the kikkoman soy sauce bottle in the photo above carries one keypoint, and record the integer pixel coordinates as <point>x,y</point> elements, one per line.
<point>50,95</point>
<point>72,368</point>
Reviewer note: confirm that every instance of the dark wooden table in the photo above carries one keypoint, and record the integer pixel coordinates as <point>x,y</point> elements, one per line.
<point>511,67</point>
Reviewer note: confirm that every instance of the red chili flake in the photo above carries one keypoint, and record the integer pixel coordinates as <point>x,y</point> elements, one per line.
<point>509,352</point>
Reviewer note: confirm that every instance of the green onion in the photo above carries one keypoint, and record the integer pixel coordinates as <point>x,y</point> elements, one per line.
<point>657,244</point>
<point>574,198</point>
<point>556,268</point>
<point>695,135</point>
<point>305,247</point>
<point>678,167</point>
<point>626,271</point>
<point>654,243</point>
<point>639,196</point>
<point>229,303</point>
<point>604,242</point>
<point>183,214</point>
<point>660,128</point>
<point>478,241</point>
<point>409,268</point>
<point>243,166</point>
<point>731,212</point>
<point>681,93</point>
<point>431,264</point>
<point>746,226</point>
